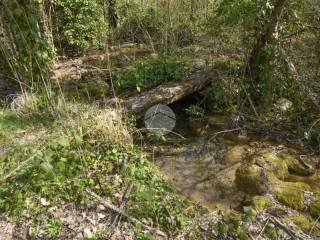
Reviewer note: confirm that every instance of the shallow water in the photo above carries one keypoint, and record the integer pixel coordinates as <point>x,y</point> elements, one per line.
<point>204,171</point>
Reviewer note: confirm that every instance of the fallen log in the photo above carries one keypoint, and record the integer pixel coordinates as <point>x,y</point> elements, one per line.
<point>169,93</point>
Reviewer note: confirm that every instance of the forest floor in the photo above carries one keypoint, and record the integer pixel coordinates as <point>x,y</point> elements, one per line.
<point>74,170</point>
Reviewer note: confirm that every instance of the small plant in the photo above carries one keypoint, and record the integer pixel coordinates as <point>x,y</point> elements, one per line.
<point>52,228</point>
<point>271,231</point>
<point>195,111</point>
<point>148,73</point>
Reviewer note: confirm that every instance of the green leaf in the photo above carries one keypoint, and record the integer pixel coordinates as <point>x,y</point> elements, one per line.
<point>64,142</point>
<point>47,168</point>
<point>78,140</point>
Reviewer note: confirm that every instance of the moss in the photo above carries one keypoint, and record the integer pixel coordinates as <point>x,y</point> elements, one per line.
<point>250,179</point>
<point>260,202</point>
<point>304,223</point>
<point>315,207</point>
<point>291,194</point>
<point>272,163</point>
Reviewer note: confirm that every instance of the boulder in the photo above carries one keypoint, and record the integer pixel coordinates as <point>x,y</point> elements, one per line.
<point>252,179</point>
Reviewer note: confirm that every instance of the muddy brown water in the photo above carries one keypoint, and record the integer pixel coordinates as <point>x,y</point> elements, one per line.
<point>204,171</point>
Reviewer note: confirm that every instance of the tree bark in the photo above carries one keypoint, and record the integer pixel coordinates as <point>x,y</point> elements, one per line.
<point>259,61</point>
<point>169,93</point>
<point>112,14</point>
<point>267,35</point>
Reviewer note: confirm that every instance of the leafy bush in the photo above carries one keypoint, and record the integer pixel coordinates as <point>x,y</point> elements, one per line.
<point>226,90</point>
<point>80,23</point>
<point>138,23</point>
<point>184,34</point>
<point>26,52</point>
<point>148,73</point>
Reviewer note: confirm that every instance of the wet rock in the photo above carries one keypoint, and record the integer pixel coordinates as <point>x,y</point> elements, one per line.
<point>291,193</point>
<point>252,179</point>
<point>268,159</point>
<point>295,166</point>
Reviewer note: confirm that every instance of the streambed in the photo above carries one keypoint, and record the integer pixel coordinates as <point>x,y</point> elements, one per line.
<point>203,168</point>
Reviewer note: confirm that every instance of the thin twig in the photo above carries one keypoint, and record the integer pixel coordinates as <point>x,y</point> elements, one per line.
<point>262,230</point>
<point>124,201</point>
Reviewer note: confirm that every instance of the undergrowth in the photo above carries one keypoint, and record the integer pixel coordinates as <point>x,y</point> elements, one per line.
<point>150,72</point>
<point>91,149</point>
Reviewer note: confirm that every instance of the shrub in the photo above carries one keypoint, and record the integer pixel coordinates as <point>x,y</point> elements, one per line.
<point>80,24</point>
<point>147,73</point>
<point>184,34</point>
<point>138,24</point>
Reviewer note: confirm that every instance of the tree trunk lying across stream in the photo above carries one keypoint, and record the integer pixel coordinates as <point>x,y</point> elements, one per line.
<point>169,93</point>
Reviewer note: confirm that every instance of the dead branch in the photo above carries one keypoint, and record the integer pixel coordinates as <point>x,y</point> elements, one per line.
<point>124,201</point>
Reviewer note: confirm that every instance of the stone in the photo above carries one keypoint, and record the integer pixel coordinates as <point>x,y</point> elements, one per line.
<point>295,166</point>
<point>284,104</point>
<point>268,159</point>
<point>252,179</point>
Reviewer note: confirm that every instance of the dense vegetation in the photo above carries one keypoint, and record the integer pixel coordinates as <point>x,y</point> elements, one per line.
<point>57,136</point>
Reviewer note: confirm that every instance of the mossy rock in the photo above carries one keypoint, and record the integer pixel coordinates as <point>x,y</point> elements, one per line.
<point>315,207</point>
<point>251,179</point>
<point>295,166</point>
<point>304,223</point>
<point>291,193</point>
<point>269,160</point>
<point>259,203</point>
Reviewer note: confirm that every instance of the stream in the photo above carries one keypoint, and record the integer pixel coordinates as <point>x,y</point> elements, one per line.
<point>202,164</point>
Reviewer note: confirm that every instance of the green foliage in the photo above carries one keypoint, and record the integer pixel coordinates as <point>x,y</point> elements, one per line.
<point>30,58</point>
<point>151,198</point>
<point>226,91</point>
<point>271,231</point>
<point>52,228</point>
<point>147,73</point>
<point>80,23</point>
<point>195,111</point>
<point>184,34</point>
<point>138,23</point>
<point>56,166</point>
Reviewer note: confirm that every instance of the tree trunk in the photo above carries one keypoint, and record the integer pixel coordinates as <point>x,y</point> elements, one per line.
<point>259,60</point>
<point>267,35</point>
<point>112,14</point>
